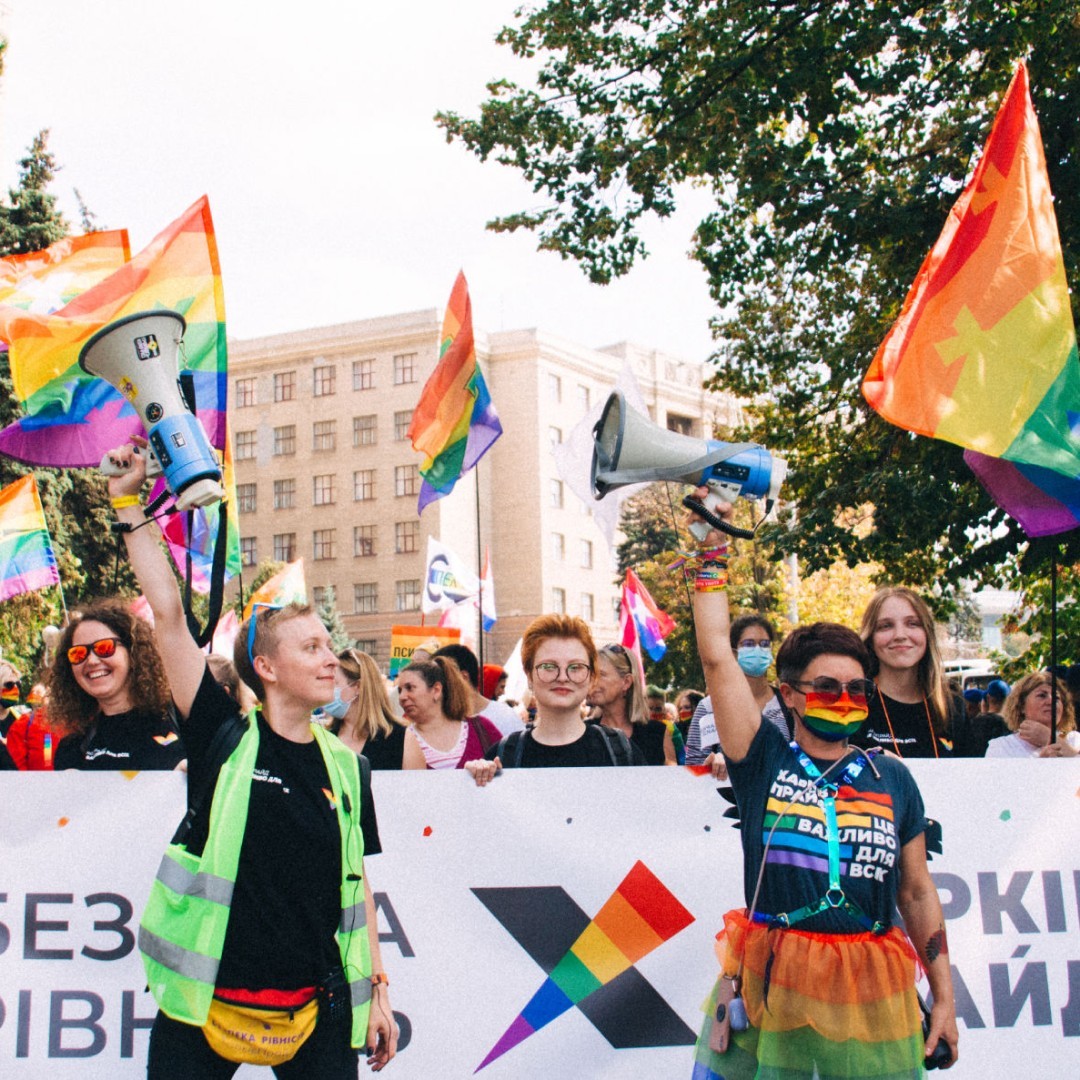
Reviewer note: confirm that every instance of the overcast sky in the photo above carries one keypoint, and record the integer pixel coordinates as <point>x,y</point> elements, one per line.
<point>309,125</point>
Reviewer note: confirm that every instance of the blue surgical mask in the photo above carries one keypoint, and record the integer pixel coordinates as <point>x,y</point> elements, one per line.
<point>338,707</point>
<point>754,659</point>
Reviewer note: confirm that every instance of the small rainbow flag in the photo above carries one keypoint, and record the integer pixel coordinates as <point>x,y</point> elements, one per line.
<point>44,281</point>
<point>27,562</point>
<point>287,586</point>
<point>637,918</point>
<point>454,423</point>
<point>72,419</point>
<point>984,351</point>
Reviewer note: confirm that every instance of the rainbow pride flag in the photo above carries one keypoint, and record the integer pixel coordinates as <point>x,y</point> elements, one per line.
<point>637,918</point>
<point>44,281</point>
<point>454,422</point>
<point>984,351</point>
<point>71,418</point>
<point>287,586</point>
<point>27,562</point>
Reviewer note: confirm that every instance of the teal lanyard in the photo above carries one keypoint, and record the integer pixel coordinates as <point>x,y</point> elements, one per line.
<point>835,898</point>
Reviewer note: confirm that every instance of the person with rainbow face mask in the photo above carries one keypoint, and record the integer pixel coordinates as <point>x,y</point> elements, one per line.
<point>833,844</point>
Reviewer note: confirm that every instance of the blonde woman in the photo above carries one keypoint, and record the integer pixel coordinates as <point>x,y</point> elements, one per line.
<point>360,713</point>
<point>1027,713</point>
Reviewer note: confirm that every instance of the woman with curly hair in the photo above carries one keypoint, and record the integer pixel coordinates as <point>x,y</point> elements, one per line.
<point>913,712</point>
<point>108,692</point>
<point>1028,709</point>
<point>360,713</point>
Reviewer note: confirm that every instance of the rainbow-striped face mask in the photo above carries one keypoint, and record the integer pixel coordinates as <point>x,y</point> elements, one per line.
<point>836,710</point>
<point>10,692</point>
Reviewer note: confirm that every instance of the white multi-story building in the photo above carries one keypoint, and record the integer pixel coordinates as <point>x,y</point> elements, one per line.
<point>325,470</point>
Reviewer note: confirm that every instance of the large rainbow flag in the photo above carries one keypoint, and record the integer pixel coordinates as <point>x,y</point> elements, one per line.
<point>71,418</point>
<point>27,562</point>
<point>454,422</point>
<point>43,281</point>
<point>984,352</point>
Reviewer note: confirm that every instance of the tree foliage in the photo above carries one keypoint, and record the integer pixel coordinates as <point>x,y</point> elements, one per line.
<point>834,137</point>
<point>332,620</point>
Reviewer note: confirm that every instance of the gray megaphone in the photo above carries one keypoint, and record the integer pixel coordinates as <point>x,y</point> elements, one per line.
<point>138,355</point>
<point>629,448</point>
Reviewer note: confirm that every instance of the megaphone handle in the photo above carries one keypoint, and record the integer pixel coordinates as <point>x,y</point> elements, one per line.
<point>109,468</point>
<point>703,511</point>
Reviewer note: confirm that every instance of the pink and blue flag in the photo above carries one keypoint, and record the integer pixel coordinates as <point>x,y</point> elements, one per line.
<point>642,621</point>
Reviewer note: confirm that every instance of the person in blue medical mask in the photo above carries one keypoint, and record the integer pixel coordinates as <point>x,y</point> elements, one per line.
<point>752,638</point>
<point>360,714</point>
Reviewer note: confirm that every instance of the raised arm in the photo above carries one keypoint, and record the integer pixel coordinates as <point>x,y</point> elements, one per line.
<point>737,714</point>
<point>183,660</point>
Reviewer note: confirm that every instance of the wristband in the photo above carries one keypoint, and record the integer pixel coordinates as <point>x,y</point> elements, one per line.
<point>379,979</point>
<point>120,502</point>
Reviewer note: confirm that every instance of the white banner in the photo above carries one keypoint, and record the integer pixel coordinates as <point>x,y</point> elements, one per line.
<point>483,891</point>
<point>447,580</point>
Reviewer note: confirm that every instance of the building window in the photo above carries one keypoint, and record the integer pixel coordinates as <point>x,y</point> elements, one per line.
<point>406,537</point>
<point>363,375</point>
<point>363,540</point>
<point>586,554</point>
<point>324,435</point>
<point>406,479</point>
<point>363,485</point>
<point>247,550</point>
<point>318,595</point>
<point>245,498</point>
<point>322,492</point>
<point>245,445</point>
<point>285,440</point>
<point>245,393</point>
<point>285,386</point>
<point>556,492</point>
<point>554,436</point>
<point>367,645</point>
<point>365,598</point>
<point>284,494</point>
<point>407,595</point>
<point>583,397</point>
<point>558,601</point>
<point>363,430</point>
<point>684,425</point>
<point>324,380</point>
<point>587,606</point>
<point>285,547</point>
<point>558,547</point>
<point>402,420</point>
<point>404,372</point>
<point>554,388</point>
<point>322,544</point>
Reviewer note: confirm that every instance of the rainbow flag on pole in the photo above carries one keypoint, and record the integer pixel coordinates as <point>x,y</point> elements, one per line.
<point>984,351</point>
<point>454,422</point>
<point>644,625</point>
<point>27,562</point>
<point>71,418</point>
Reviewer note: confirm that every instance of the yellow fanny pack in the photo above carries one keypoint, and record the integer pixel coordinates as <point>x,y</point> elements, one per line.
<point>256,1035</point>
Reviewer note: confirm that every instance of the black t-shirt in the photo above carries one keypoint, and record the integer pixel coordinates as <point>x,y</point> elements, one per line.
<point>5,759</point>
<point>585,752</point>
<point>287,900</point>
<point>911,735</point>
<point>385,751</point>
<point>128,740</point>
<point>649,739</point>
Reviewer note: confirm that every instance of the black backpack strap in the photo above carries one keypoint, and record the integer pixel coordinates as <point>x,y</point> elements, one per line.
<point>226,739</point>
<point>511,748</point>
<point>617,746</point>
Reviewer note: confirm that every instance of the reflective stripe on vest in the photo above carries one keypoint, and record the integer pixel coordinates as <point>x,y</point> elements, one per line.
<point>182,933</point>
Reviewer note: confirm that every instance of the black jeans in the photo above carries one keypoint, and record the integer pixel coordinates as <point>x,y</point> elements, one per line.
<point>180,1052</point>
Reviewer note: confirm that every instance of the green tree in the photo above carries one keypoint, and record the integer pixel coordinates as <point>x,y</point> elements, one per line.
<point>647,526</point>
<point>834,139</point>
<point>332,620</point>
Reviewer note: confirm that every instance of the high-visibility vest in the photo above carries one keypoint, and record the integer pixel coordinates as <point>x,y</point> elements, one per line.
<point>182,932</point>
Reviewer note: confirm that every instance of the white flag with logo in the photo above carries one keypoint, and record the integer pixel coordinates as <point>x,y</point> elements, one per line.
<point>447,580</point>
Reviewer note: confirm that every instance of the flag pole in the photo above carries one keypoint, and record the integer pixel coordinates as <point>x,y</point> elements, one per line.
<point>1053,642</point>
<point>480,578</point>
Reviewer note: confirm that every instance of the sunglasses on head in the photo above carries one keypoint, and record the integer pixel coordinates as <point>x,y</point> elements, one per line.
<point>829,691</point>
<point>103,648</point>
<point>251,626</point>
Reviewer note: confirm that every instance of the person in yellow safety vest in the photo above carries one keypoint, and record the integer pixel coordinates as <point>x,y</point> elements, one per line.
<point>260,939</point>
